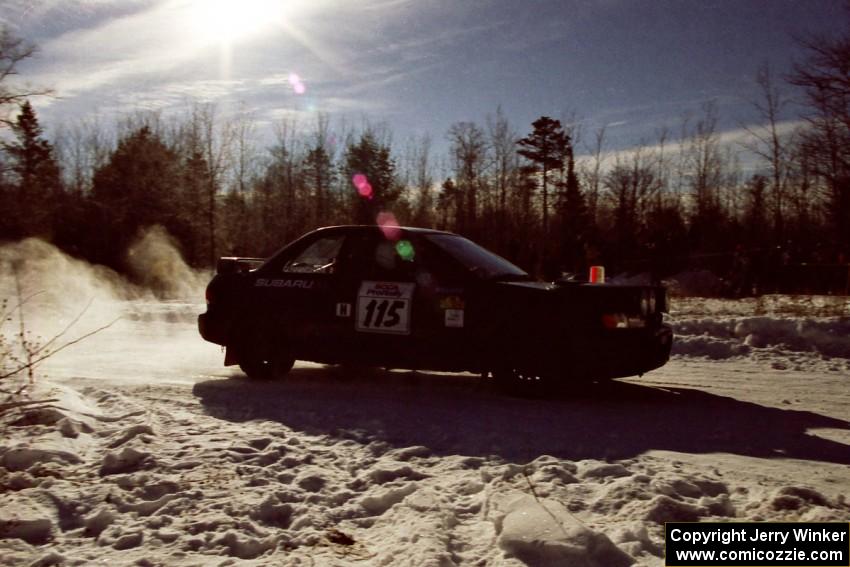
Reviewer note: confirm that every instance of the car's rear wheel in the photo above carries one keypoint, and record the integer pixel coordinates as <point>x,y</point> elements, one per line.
<point>264,368</point>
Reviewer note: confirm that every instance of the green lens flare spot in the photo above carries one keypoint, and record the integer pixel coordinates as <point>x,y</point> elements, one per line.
<point>405,250</point>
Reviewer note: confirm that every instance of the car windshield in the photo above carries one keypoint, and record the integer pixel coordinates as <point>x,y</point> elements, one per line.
<point>476,259</point>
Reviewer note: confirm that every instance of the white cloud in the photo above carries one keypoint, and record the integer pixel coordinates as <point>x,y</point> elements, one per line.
<point>138,44</point>
<point>738,140</point>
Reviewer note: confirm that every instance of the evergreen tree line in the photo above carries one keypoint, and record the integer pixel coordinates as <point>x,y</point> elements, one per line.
<point>678,203</point>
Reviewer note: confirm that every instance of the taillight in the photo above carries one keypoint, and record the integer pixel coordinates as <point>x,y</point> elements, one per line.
<point>648,303</point>
<point>622,321</point>
<point>614,321</point>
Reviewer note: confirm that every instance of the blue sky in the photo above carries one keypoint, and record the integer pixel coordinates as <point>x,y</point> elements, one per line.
<point>419,65</point>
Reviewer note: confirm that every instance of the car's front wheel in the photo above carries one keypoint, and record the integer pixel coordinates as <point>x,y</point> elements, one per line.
<point>264,368</point>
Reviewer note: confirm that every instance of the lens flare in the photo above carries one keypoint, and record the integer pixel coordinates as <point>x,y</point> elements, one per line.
<point>297,84</point>
<point>361,183</point>
<point>405,250</point>
<point>389,226</point>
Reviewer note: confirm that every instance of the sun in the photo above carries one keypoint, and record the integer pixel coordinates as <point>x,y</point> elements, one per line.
<point>227,21</point>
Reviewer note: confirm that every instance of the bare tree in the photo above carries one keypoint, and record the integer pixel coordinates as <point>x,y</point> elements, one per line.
<point>502,140</point>
<point>73,152</point>
<point>825,79</point>
<point>769,144</point>
<point>705,161</point>
<point>632,185</point>
<point>422,180</point>
<point>13,50</point>
<point>592,174</point>
<point>468,148</point>
<point>283,180</point>
<point>214,141</point>
<point>243,127</point>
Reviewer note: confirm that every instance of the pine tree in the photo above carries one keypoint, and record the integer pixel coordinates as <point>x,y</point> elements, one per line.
<point>135,189</point>
<point>545,147</point>
<point>318,170</point>
<point>573,218</point>
<point>371,172</point>
<point>36,187</point>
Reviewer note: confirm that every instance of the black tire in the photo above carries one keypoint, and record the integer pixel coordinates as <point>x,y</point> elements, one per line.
<point>260,368</point>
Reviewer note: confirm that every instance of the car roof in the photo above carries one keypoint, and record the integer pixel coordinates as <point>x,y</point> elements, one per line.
<point>374,227</point>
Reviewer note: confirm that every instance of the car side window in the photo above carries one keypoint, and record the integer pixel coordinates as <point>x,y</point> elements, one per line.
<point>319,257</point>
<point>373,257</point>
<point>389,262</point>
<point>440,265</point>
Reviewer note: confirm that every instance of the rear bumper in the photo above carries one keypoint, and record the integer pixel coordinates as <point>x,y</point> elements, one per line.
<point>621,353</point>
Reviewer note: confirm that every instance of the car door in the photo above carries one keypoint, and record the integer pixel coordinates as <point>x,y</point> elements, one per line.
<point>397,304</point>
<point>293,295</point>
<point>375,300</point>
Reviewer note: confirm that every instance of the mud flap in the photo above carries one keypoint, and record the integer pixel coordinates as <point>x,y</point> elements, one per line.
<point>230,356</point>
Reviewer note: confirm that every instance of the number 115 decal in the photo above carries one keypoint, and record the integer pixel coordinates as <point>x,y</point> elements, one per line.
<point>384,307</point>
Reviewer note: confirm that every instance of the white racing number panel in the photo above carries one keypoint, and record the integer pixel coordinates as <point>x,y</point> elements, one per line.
<point>384,307</point>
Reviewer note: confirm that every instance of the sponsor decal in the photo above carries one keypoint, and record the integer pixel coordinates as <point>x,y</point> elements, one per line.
<point>343,310</point>
<point>454,318</point>
<point>384,289</point>
<point>302,284</point>
<point>384,307</point>
<point>452,302</point>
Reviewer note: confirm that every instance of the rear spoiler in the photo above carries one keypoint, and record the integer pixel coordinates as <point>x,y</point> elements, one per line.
<point>235,264</point>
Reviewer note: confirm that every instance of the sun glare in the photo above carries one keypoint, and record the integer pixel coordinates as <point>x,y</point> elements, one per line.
<point>226,21</point>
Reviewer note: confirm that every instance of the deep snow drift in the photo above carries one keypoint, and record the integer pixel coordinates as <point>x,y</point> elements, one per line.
<point>152,453</point>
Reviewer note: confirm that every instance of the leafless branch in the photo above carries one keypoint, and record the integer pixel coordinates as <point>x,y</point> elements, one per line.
<point>32,363</point>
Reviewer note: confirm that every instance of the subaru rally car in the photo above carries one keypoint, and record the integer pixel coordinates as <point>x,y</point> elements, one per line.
<point>426,299</point>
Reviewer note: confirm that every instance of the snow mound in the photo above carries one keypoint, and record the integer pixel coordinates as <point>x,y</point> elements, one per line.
<point>127,459</point>
<point>720,338</point>
<point>26,516</point>
<point>544,533</point>
<point>772,305</point>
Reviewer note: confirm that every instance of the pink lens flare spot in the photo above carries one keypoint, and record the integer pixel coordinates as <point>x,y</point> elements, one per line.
<point>389,225</point>
<point>297,84</point>
<point>361,183</point>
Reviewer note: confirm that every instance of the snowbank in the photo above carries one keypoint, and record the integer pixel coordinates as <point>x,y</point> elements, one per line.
<point>771,327</point>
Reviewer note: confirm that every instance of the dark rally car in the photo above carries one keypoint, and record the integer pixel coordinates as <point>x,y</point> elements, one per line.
<point>426,299</point>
